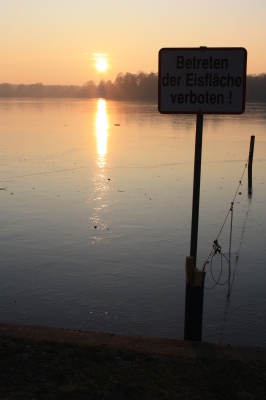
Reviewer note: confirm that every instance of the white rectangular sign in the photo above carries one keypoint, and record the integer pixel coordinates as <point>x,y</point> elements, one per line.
<point>202,80</point>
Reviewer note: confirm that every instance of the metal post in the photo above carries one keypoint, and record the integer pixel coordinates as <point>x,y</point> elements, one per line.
<point>250,162</point>
<point>196,188</point>
<point>194,294</point>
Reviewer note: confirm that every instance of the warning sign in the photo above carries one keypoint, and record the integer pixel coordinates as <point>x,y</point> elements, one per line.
<point>202,80</point>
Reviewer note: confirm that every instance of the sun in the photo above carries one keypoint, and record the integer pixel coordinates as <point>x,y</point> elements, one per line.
<point>101,61</point>
<point>101,65</point>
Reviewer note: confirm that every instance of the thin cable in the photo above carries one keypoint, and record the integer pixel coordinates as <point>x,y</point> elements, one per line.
<point>217,282</point>
<point>230,285</point>
<point>232,202</point>
<point>238,251</point>
<point>230,243</point>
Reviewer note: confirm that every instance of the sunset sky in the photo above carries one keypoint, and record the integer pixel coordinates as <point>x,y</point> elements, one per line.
<point>61,41</point>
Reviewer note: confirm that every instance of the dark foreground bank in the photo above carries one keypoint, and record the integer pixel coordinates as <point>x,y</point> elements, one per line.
<point>50,363</point>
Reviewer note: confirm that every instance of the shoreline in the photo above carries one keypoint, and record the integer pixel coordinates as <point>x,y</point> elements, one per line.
<point>144,344</point>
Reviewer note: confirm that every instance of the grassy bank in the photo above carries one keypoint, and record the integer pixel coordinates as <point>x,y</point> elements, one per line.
<point>39,368</point>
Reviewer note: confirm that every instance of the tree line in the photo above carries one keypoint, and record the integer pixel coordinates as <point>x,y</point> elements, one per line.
<point>256,88</point>
<point>140,86</point>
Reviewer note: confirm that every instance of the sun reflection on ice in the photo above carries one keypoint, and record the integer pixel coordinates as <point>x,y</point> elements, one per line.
<point>100,180</point>
<point>101,132</point>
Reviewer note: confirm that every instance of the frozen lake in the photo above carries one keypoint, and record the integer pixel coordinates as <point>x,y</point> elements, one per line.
<point>96,201</point>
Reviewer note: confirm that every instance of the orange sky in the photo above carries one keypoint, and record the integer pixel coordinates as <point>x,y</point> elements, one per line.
<point>55,41</point>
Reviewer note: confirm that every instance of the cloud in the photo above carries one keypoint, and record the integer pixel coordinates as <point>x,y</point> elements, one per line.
<point>96,56</point>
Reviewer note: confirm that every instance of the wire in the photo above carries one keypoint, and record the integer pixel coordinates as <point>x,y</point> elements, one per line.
<point>217,282</point>
<point>238,251</point>
<point>230,209</point>
<point>216,248</point>
<point>230,284</point>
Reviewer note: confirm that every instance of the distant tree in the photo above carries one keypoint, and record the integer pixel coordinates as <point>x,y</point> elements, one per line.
<point>256,88</point>
<point>110,90</point>
<point>130,86</point>
<point>148,85</point>
<point>6,90</point>
<point>101,89</point>
<point>35,90</point>
<point>70,91</point>
<point>20,91</point>
<point>126,86</point>
<point>89,89</point>
<point>118,86</point>
<point>53,91</point>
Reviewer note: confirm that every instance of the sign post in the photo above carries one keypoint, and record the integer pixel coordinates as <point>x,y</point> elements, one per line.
<point>200,81</point>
